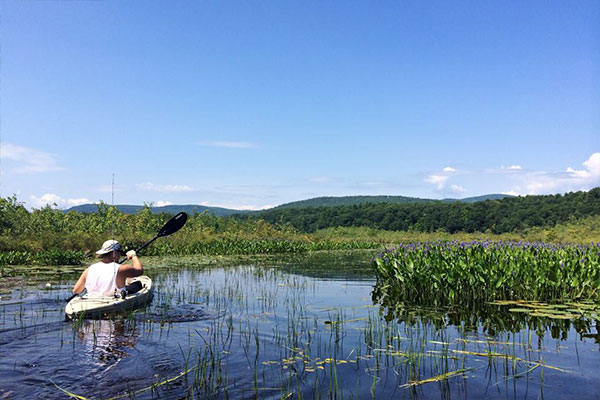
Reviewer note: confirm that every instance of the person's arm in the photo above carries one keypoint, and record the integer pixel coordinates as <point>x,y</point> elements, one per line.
<point>129,270</point>
<point>80,285</point>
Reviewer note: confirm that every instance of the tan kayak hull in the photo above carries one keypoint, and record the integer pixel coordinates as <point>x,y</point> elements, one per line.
<point>98,307</point>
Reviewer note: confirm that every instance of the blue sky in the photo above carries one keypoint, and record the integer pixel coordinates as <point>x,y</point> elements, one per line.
<point>257,103</point>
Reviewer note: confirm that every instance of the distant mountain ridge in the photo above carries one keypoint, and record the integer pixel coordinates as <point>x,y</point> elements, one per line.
<point>331,201</point>
<point>486,197</point>
<point>314,202</point>
<point>355,200</point>
<point>170,209</point>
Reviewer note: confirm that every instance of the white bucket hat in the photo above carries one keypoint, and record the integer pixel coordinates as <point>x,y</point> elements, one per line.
<point>110,245</point>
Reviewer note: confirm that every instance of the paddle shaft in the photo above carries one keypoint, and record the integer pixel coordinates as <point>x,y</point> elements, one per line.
<point>72,297</point>
<point>142,247</point>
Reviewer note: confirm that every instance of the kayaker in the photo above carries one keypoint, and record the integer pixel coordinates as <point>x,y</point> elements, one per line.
<point>106,276</point>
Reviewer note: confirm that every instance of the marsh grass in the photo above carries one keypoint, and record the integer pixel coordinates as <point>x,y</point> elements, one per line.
<point>289,348</point>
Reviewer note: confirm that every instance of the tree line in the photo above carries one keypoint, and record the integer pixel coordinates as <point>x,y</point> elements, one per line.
<point>48,228</point>
<point>495,216</point>
<point>48,236</point>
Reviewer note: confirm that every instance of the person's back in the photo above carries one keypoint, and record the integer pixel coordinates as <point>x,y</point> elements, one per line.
<point>102,279</point>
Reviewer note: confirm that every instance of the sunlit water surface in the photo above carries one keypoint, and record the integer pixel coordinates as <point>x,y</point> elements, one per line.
<point>274,328</point>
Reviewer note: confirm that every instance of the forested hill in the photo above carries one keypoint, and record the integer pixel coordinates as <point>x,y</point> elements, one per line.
<point>498,216</point>
<point>315,202</point>
<point>350,201</point>
<point>355,200</point>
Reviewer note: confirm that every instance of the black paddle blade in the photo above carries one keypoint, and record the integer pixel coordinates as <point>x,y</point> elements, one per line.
<point>173,225</point>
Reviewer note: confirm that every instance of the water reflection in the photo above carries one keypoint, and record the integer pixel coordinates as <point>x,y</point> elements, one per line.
<point>491,318</point>
<point>106,341</point>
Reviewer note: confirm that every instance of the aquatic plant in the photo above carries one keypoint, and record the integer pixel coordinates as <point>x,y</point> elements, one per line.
<point>47,257</point>
<point>451,272</point>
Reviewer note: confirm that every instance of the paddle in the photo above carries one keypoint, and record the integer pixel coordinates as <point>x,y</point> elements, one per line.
<point>172,226</point>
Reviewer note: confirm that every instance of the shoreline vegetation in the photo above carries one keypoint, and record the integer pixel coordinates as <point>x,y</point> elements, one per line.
<point>49,236</point>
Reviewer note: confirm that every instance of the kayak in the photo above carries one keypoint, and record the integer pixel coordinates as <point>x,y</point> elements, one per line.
<point>87,306</point>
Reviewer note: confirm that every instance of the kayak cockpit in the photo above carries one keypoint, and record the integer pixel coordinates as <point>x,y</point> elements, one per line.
<point>87,306</point>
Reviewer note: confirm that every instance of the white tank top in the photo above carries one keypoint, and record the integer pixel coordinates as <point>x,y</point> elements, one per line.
<point>102,279</point>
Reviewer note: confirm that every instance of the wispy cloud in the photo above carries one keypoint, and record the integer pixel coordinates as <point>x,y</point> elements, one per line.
<point>162,203</point>
<point>520,180</point>
<point>231,145</point>
<point>320,179</point>
<point>151,187</point>
<point>28,160</point>
<point>457,189</point>
<point>544,182</point>
<point>439,179</point>
<point>50,199</point>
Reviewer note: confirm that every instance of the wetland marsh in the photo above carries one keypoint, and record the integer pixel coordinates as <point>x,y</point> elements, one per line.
<point>311,326</point>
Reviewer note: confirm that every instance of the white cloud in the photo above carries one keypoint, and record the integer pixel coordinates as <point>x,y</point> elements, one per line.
<point>593,164</point>
<point>27,159</point>
<point>543,185</point>
<point>161,203</point>
<point>542,182</point>
<point>439,179</point>
<point>578,174</point>
<point>77,202</point>
<point>592,168</point>
<point>531,182</point>
<point>151,187</point>
<point>232,145</point>
<point>50,199</point>
<point>46,199</point>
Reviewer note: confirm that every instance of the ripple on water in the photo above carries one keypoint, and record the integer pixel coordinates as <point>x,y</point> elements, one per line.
<point>177,314</point>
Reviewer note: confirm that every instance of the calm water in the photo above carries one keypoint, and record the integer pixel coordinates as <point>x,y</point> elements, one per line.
<point>280,328</point>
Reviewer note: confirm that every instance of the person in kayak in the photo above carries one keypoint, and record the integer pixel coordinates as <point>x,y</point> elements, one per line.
<point>107,276</point>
